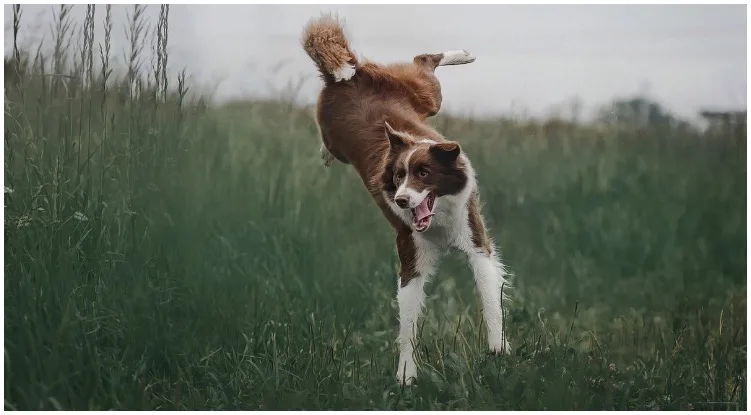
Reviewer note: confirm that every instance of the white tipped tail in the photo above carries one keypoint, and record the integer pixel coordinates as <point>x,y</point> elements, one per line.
<point>325,43</point>
<point>344,72</point>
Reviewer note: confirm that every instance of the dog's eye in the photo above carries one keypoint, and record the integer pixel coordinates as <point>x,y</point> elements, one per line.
<point>423,173</point>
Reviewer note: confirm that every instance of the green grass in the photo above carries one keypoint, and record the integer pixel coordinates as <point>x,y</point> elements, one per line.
<point>161,255</point>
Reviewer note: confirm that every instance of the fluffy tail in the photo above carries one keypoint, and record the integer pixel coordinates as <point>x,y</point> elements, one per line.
<point>324,41</point>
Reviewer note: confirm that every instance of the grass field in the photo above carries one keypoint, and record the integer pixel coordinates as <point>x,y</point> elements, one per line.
<point>161,253</point>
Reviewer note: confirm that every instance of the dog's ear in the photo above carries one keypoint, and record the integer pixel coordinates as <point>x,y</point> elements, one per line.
<point>446,153</point>
<point>396,141</point>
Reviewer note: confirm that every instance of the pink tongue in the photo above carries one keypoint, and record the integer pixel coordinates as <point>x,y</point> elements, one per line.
<point>422,211</point>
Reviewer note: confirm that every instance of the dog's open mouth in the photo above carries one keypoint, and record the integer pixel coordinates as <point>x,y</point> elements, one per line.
<point>422,215</point>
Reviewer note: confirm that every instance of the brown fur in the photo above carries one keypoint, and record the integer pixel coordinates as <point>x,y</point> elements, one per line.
<point>352,117</point>
<point>325,43</point>
<point>480,238</point>
<point>407,252</point>
<point>430,167</point>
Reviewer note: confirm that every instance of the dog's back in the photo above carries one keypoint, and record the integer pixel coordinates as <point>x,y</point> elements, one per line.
<point>358,97</point>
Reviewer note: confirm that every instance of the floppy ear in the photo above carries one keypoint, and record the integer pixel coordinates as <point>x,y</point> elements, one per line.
<point>446,153</point>
<point>396,140</point>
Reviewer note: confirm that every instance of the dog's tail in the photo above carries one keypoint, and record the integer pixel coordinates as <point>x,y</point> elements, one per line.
<point>323,40</point>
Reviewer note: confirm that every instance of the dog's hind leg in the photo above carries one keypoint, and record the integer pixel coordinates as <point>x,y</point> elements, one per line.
<point>455,57</point>
<point>428,98</point>
<point>326,155</point>
<point>451,57</point>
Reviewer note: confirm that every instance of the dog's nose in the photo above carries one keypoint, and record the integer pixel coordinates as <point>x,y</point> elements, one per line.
<point>402,201</point>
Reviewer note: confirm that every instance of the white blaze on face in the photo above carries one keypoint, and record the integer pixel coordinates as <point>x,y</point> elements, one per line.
<point>415,197</point>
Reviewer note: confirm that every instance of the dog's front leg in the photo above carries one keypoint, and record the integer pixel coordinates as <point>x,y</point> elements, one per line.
<point>489,278</point>
<point>418,259</point>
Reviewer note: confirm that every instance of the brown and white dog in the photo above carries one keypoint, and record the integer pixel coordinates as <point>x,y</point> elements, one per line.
<point>374,117</point>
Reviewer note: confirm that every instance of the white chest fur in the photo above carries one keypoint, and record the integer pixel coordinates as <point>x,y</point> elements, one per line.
<point>450,228</point>
<point>450,225</point>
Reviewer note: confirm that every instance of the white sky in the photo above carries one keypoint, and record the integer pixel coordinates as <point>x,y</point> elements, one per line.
<point>686,57</point>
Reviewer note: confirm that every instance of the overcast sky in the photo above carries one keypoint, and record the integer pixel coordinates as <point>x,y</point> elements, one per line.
<point>528,57</point>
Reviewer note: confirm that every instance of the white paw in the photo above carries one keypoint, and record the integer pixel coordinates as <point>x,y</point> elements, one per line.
<point>500,347</point>
<point>406,373</point>
<point>326,156</point>
<point>344,73</point>
<point>456,57</point>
